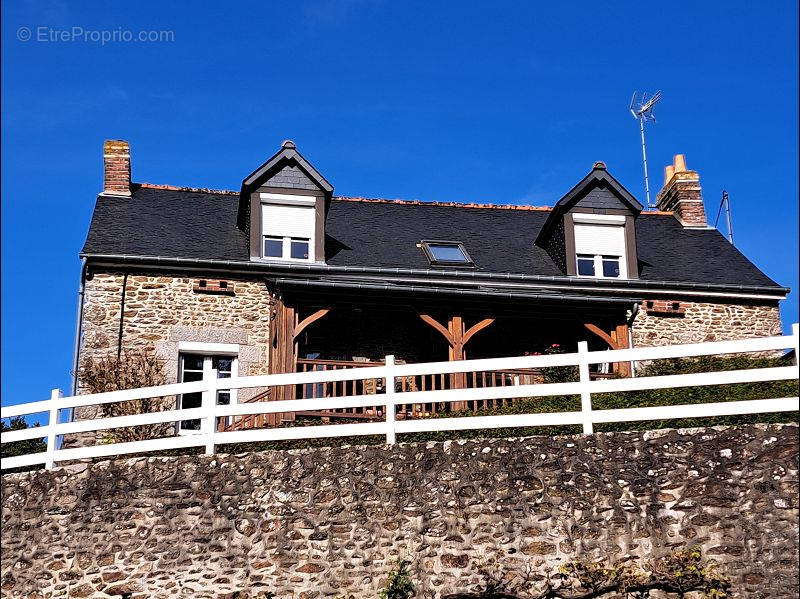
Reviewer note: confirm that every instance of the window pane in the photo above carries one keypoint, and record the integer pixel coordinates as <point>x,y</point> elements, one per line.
<point>223,398</point>
<point>610,267</point>
<point>273,247</point>
<point>191,362</point>
<point>222,364</point>
<point>586,266</point>
<point>191,400</point>
<point>300,249</point>
<point>191,376</point>
<point>447,252</point>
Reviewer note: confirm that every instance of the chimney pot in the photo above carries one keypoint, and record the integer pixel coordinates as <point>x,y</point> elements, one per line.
<point>669,170</point>
<point>682,194</point>
<point>116,167</point>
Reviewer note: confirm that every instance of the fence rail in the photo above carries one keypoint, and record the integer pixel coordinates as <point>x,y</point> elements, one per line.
<point>394,395</point>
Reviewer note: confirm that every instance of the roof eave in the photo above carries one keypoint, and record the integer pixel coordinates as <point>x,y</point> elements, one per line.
<point>473,276</point>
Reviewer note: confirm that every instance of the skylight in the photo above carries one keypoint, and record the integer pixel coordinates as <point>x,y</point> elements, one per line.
<point>446,252</point>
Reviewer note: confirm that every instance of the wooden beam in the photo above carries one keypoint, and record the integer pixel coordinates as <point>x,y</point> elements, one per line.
<point>300,327</point>
<point>477,328</point>
<point>616,339</point>
<point>436,325</point>
<point>600,333</point>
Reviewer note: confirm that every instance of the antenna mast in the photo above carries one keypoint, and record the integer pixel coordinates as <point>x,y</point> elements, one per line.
<point>642,110</point>
<point>727,203</point>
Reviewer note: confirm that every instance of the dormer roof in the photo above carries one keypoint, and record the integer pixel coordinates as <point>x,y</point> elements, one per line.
<point>598,191</point>
<point>287,169</point>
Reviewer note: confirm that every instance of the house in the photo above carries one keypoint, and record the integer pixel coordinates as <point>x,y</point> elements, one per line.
<point>283,275</point>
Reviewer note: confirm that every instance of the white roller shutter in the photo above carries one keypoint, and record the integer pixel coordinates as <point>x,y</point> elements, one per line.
<point>607,240</point>
<point>287,221</point>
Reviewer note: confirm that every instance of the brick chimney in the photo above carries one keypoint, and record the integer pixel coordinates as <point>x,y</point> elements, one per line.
<point>681,194</point>
<point>116,167</point>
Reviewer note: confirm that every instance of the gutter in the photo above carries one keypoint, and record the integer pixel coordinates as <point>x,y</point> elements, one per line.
<point>460,277</point>
<point>496,293</point>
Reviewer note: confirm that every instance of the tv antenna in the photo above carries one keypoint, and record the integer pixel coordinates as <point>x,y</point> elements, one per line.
<point>642,109</point>
<point>727,203</point>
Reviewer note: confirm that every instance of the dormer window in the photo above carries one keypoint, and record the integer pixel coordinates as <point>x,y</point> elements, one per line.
<point>283,207</point>
<point>591,231</point>
<point>600,250</point>
<point>446,253</point>
<point>287,227</point>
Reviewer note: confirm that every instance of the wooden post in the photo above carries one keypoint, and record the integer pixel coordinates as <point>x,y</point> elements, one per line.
<point>457,336</point>
<point>52,423</point>
<point>391,408</point>
<point>287,328</point>
<point>586,397</point>
<point>623,368</point>
<point>617,338</point>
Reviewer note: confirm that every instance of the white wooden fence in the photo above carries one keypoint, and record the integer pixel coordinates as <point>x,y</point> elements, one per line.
<point>209,411</point>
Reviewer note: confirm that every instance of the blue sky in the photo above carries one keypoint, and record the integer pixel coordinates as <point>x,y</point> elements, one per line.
<point>501,102</point>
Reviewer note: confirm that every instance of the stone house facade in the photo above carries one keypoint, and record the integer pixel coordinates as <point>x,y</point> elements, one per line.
<point>283,275</point>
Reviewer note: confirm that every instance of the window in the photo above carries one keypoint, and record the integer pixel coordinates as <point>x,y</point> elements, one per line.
<point>299,249</point>
<point>586,265</point>
<point>606,267</point>
<point>600,246</point>
<point>293,248</point>
<point>273,247</point>
<point>192,368</point>
<point>288,225</point>
<point>446,253</point>
<point>611,267</point>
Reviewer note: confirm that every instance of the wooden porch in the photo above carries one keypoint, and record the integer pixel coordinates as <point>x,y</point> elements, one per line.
<point>307,336</point>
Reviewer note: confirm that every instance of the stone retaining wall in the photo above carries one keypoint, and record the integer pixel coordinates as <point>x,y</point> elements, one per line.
<point>323,523</point>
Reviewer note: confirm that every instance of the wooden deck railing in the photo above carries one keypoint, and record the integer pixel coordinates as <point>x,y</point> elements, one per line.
<point>422,382</point>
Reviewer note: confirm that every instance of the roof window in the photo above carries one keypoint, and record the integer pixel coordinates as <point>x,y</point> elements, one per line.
<point>446,253</point>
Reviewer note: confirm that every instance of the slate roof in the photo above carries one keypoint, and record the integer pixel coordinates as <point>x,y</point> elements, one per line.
<point>174,223</point>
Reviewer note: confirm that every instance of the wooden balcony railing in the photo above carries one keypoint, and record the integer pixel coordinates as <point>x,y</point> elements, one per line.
<point>428,382</point>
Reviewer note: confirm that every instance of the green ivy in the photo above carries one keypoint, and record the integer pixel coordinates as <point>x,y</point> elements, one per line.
<point>399,585</point>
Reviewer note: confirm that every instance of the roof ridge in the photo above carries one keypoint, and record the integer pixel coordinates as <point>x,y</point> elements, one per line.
<point>435,203</point>
<point>184,188</point>
<point>399,201</point>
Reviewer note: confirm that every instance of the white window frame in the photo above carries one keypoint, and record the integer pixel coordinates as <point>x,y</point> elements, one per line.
<point>609,220</point>
<point>207,350</point>
<point>598,266</point>
<point>286,249</point>
<point>282,199</point>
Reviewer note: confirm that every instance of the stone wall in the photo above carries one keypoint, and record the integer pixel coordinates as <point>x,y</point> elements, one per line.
<point>162,311</point>
<point>704,321</point>
<point>323,523</point>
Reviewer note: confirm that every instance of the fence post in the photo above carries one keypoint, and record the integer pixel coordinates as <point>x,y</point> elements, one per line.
<point>208,425</point>
<point>586,395</point>
<point>796,343</point>
<point>55,395</point>
<point>391,437</point>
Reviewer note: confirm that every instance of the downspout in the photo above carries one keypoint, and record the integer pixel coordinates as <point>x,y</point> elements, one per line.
<point>634,312</point>
<point>78,333</point>
<point>122,313</point>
